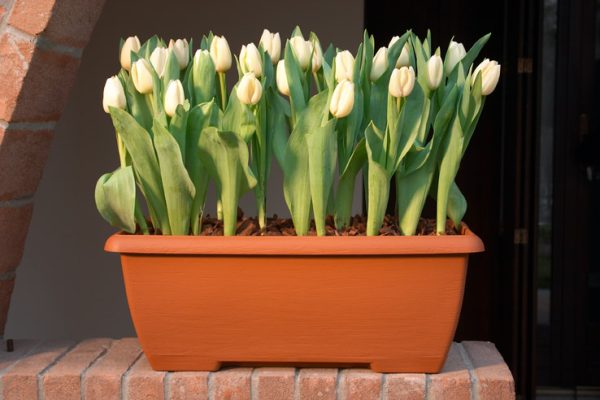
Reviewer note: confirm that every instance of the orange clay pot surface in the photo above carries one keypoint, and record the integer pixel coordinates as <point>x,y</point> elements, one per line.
<point>389,303</point>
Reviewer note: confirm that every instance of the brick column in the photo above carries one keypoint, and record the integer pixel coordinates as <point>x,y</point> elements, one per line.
<point>41,42</point>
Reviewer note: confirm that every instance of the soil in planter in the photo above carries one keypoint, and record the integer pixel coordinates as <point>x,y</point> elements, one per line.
<point>276,226</point>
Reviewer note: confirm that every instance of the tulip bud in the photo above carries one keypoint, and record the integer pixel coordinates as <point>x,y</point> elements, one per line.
<point>271,43</point>
<point>281,78</point>
<point>317,55</point>
<point>220,53</point>
<point>344,65</point>
<point>302,50</point>
<point>456,52</point>
<point>174,96</point>
<point>404,58</point>
<point>114,95</point>
<point>490,74</point>
<point>181,49</point>
<point>402,81</point>
<point>158,59</point>
<point>200,53</point>
<point>435,71</point>
<point>380,64</point>
<point>249,89</point>
<point>131,44</point>
<point>342,99</point>
<point>250,60</point>
<point>141,75</point>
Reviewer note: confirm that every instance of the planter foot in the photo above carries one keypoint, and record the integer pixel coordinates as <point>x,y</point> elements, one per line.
<point>208,365</point>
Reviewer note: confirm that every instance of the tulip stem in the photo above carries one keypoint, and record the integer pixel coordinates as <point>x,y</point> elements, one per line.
<point>223,90</point>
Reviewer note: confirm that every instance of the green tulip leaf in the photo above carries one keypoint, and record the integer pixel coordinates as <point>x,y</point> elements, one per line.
<point>345,189</point>
<point>238,118</point>
<point>203,79</point>
<point>178,187</point>
<point>115,198</point>
<point>141,150</point>
<point>226,157</point>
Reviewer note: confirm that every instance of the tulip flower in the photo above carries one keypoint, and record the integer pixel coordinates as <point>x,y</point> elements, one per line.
<point>490,74</point>
<point>250,60</point>
<point>281,78</point>
<point>271,43</point>
<point>404,58</point>
<point>456,52</point>
<point>344,65</point>
<point>158,59</point>
<point>174,96</point>
<point>302,50</point>
<point>114,95</point>
<point>317,55</point>
<point>131,44</point>
<point>342,99</point>
<point>141,75</point>
<point>435,71</point>
<point>402,81</point>
<point>220,53</point>
<point>380,64</point>
<point>249,89</point>
<point>181,49</point>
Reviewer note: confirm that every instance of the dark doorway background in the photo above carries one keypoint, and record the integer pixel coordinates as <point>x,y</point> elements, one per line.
<point>500,176</point>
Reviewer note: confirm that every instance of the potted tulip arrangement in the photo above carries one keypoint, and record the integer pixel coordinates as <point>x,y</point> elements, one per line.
<point>324,287</point>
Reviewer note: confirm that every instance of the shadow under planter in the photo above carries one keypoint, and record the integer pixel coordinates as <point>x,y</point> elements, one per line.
<point>390,303</point>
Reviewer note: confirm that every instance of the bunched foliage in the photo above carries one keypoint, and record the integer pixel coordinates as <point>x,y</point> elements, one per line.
<point>325,116</point>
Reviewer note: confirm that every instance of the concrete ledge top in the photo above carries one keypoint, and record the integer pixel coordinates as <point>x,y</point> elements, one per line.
<point>117,369</point>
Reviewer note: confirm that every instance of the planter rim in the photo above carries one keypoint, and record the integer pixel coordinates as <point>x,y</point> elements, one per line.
<point>466,243</point>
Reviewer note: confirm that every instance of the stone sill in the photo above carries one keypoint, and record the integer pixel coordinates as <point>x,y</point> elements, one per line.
<point>117,369</point>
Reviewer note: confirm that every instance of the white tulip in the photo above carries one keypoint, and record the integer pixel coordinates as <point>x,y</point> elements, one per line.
<point>456,52</point>
<point>250,60</point>
<point>490,74</point>
<point>181,49</point>
<point>158,59</point>
<point>404,58</point>
<point>141,75</point>
<point>435,71</point>
<point>281,79</point>
<point>342,99</point>
<point>131,44</point>
<point>317,55</point>
<point>380,64</point>
<point>344,65</point>
<point>220,53</point>
<point>174,96</point>
<point>114,95</point>
<point>249,89</point>
<point>402,81</point>
<point>271,43</point>
<point>302,50</point>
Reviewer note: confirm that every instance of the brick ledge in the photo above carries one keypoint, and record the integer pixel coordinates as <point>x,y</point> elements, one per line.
<point>117,369</point>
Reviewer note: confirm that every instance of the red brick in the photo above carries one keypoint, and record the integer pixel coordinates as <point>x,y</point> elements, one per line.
<point>6,289</point>
<point>34,82</point>
<point>20,349</point>
<point>453,382</point>
<point>14,224</point>
<point>187,386</point>
<point>143,383</point>
<point>21,381</point>
<point>359,384</point>
<point>273,383</point>
<point>317,383</point>
<point>404,387</point>
<point>493,378</point>
<point>102,381</point>
<point>230,384</point>
<point>23,155</point>
<point>68,22</point>
<point>63,380</point>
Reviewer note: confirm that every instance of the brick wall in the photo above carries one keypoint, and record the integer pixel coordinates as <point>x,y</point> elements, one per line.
<point>41,42</point>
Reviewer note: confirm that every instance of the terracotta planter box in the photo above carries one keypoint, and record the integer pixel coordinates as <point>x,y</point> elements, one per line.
<point>388,303</point>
